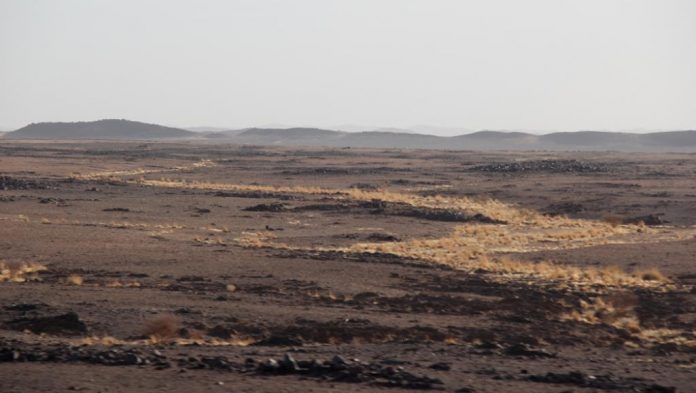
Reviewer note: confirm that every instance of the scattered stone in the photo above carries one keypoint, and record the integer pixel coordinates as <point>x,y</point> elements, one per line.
<point>382,237</point>
<point>650,220</point>
<point>55,201</point>
<point>553,166</point>
<point>24,307</point>
<point>340,369</point>
<point>270,207</point>
<point>12,183</point>
<point>255,195</point>
<point>602,382</point>
<point>442,366</point>
<point>527,351</point>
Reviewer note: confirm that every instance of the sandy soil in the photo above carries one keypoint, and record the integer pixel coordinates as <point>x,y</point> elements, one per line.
<point>190,267</point>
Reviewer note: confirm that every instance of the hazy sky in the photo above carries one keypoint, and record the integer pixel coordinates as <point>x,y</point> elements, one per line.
<point>534,65</point>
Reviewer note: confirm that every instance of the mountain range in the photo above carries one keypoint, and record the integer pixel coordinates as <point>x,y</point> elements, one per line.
<point>119,129</point>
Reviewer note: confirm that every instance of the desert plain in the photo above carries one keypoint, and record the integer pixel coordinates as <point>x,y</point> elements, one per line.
<point>183,267</point>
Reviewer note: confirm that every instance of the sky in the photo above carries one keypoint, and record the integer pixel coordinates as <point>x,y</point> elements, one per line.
<point>445,66</point>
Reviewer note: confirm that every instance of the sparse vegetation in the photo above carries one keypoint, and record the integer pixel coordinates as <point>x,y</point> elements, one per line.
<point>20,271</point>
<point>75,279</point>
<point>476,252</point>
<point>339,266</point>
<point>617,310</point>
<point>164,327</point>
<point>652,274</point>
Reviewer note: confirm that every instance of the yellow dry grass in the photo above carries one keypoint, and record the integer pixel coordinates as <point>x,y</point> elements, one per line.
<point>20,272</point>
<point>472,254</point>
<point>74,279</point>
<point>470,246</point>
<point>489,207</point>
<point>618,310</point>
<point>116,175</point>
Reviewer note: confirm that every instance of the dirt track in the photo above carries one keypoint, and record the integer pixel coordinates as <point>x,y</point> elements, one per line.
<point>344,269</point>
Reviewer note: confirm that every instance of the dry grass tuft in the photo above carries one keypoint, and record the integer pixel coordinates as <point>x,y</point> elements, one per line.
<point>651,275</point>
<point>74,279</point>
<point>164,327</point>
<point>617,310</point>
<point>20,272</point>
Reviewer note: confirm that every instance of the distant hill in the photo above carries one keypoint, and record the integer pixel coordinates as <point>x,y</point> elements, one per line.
<point>101,129</point>
<point>207,129</point>
<point>286,136</point>
<point>482,140</point>
<point>381,138</point>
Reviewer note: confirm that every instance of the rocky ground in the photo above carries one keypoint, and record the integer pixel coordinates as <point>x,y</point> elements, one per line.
<point>190,267</point>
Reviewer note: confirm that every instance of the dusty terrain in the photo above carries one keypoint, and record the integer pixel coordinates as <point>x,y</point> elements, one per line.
<point>192,267</point>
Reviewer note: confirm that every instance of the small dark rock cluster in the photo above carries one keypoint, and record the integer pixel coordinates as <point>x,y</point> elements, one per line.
<point>650,219</point>
<point>379,207</point>
<point>68,324</point>
<point>564,208</point>
<point>254,195</point>
<point>340,369</point>
<point>527,351</point>
<point>116,209</point>
<point>602,382</point>
<point>270,207</point>
<point>337,369</point>
<point>110,357</point>
<point>12,183</point>
<point>552,166</point>
<point>382,237</point>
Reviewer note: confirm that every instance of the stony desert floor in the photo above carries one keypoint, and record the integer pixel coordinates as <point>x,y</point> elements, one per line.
<point>180,267</point>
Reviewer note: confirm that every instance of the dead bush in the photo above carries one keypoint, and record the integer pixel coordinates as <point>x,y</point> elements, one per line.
<point>651,275</point>
<point>162,327</point>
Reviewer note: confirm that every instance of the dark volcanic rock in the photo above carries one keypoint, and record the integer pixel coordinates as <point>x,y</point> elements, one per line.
<point>66,324</point>
<point>527,351</point>
<point>13,183</point>
<point>382,237</point>
<point>270,207</point>
<point>564,208</point>
<point>553,166</point>
<point>340,369</point>
<point>650,219</point>
<point>379,207</point>
<point>254,195</point>
<point>602,382</point>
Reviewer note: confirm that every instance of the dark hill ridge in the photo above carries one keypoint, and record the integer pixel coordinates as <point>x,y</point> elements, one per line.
<point>482,140</point>
<point>101,129</point>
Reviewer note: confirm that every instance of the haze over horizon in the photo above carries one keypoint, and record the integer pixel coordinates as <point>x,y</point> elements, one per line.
<point>538,66</point>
